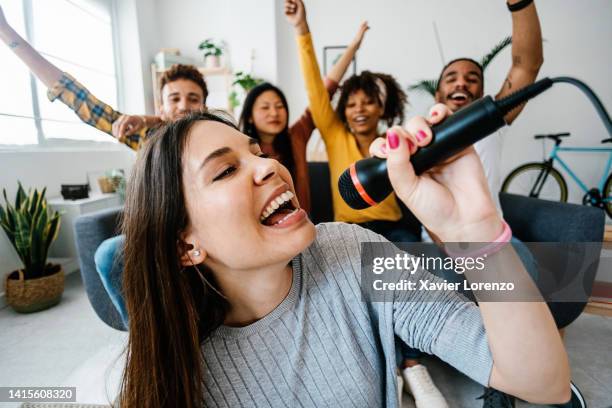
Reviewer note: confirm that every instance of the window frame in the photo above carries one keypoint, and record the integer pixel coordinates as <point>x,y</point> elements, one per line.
<point>60,144</point>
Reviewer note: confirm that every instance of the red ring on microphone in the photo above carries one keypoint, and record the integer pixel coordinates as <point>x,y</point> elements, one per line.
<point>359,187</point>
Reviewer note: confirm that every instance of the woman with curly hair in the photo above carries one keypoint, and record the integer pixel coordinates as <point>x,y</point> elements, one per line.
<point>367,100</point>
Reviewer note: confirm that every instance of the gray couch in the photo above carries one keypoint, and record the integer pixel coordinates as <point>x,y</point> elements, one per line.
<point>531,220</point>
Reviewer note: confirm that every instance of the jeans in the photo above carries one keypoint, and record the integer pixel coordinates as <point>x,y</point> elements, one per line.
<point>109,265</point>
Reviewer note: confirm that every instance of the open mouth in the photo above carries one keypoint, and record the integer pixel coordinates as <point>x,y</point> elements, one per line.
<point>360,120</point>
<point>460,97</point>
<point>278,210</point>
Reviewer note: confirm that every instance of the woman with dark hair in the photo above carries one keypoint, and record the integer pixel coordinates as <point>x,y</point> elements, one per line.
<point>233,301</point>
<point>265,117</point>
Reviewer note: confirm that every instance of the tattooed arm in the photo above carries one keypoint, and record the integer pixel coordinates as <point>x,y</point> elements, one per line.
<point>527,56</point>
<point>48,73</point>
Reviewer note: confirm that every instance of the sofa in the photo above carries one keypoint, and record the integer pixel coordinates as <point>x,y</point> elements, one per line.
<point>531,220</point>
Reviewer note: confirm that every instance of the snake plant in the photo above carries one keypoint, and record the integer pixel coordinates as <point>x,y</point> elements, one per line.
<point>429,86</point>
<point>31,228</point>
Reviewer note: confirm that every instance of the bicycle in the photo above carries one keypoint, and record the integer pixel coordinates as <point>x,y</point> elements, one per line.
<point>542,180</point>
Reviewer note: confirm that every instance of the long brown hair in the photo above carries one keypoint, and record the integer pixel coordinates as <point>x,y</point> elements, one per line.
<point>170,308</point>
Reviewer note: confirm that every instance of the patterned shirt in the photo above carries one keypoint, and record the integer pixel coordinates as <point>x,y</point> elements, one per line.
<point>91,110</point>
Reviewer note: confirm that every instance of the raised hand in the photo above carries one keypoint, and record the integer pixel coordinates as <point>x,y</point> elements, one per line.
<point>295,12</point>
<point>363,27</point>
<point>452,200</point>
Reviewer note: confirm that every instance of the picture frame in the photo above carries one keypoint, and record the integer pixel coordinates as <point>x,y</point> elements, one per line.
<point>331,54</point>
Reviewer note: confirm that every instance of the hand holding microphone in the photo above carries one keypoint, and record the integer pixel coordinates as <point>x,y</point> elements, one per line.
<point>452,199</point>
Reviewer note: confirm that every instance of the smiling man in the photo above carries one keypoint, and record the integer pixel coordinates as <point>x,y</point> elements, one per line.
<point>461,82</point>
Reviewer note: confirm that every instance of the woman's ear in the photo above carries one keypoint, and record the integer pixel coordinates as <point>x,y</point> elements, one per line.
<point>190,254</point>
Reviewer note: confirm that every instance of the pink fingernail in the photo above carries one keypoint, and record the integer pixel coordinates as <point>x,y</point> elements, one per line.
<point>392,140</point>
<point>420,136</point>
<point>383,148</point>
<point>410,145</point>
<point>434,113</point>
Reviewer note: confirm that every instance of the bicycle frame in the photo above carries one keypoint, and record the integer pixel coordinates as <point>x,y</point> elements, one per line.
<point>554,156</point>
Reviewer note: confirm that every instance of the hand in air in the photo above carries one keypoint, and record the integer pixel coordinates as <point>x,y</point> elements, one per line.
<point>295,12</point>
<point>363,27</point>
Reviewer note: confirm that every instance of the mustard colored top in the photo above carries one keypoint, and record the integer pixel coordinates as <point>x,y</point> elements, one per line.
<point>341,145</point>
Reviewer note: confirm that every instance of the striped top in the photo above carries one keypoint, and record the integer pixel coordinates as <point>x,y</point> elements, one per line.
<point>324,347</point>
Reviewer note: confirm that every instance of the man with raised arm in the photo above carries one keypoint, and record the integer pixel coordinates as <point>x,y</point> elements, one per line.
<point>182,87</point>
<point>461,82</point>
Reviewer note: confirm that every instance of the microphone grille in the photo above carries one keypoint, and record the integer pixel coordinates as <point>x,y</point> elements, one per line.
<point>349,192</point>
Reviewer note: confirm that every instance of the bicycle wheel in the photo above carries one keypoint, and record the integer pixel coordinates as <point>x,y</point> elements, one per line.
<point>607,196</point>
<point>522,180</point>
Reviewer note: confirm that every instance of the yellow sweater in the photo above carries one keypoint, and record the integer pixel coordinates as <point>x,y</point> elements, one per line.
<point>342,149</point>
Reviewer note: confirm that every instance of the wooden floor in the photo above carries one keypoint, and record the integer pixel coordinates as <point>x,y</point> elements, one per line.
<point>603,308</point>
<point>608,233</point>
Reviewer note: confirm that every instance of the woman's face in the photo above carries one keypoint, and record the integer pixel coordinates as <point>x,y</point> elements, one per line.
<point>241,206</point>
<point>362,112</point>
<point>269,114</point>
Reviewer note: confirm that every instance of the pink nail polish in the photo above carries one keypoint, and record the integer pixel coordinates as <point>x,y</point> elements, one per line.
<point>420,136</point>
<point>434,113</point>
<point>393,140</point>
<point>383,148</point>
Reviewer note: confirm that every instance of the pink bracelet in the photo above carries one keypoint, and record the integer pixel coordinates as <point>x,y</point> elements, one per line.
<point>488,249</point>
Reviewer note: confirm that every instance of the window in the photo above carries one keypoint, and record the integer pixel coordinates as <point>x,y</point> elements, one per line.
<point>77,37</point>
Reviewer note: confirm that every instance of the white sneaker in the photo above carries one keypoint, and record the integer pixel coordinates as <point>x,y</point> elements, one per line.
<point>400,388</point>
<point>418,383</point>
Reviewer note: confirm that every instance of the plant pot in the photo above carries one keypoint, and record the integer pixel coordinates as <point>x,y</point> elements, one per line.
<point>106,185</point>
<point>32,295</point>
<point>212,61</point>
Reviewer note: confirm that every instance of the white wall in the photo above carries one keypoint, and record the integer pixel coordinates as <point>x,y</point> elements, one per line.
<point>38,169</point>
<point>137,42</point>
<point>401,41</point>
<point>246,26</point>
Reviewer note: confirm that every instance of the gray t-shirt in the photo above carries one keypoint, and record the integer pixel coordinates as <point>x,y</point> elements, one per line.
<point>324,347</point>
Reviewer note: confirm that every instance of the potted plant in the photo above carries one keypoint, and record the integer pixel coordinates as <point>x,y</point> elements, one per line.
<point>111,181</point>
<point>212,53</point>
<point>31,228</point>
<point>245,82</point>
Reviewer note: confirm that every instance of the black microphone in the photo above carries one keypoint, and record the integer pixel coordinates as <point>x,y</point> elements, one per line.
<point>366,182</point>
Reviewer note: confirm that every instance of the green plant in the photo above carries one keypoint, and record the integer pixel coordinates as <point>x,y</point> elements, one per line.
<point>117,179</point>
<point>245,81</point>
<point>210,47</point>
<point>31,229</point>
<point>499,47</point>
<point>429,86</point>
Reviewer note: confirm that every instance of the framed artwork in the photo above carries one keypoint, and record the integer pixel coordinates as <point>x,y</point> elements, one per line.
<point>331,55</point>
